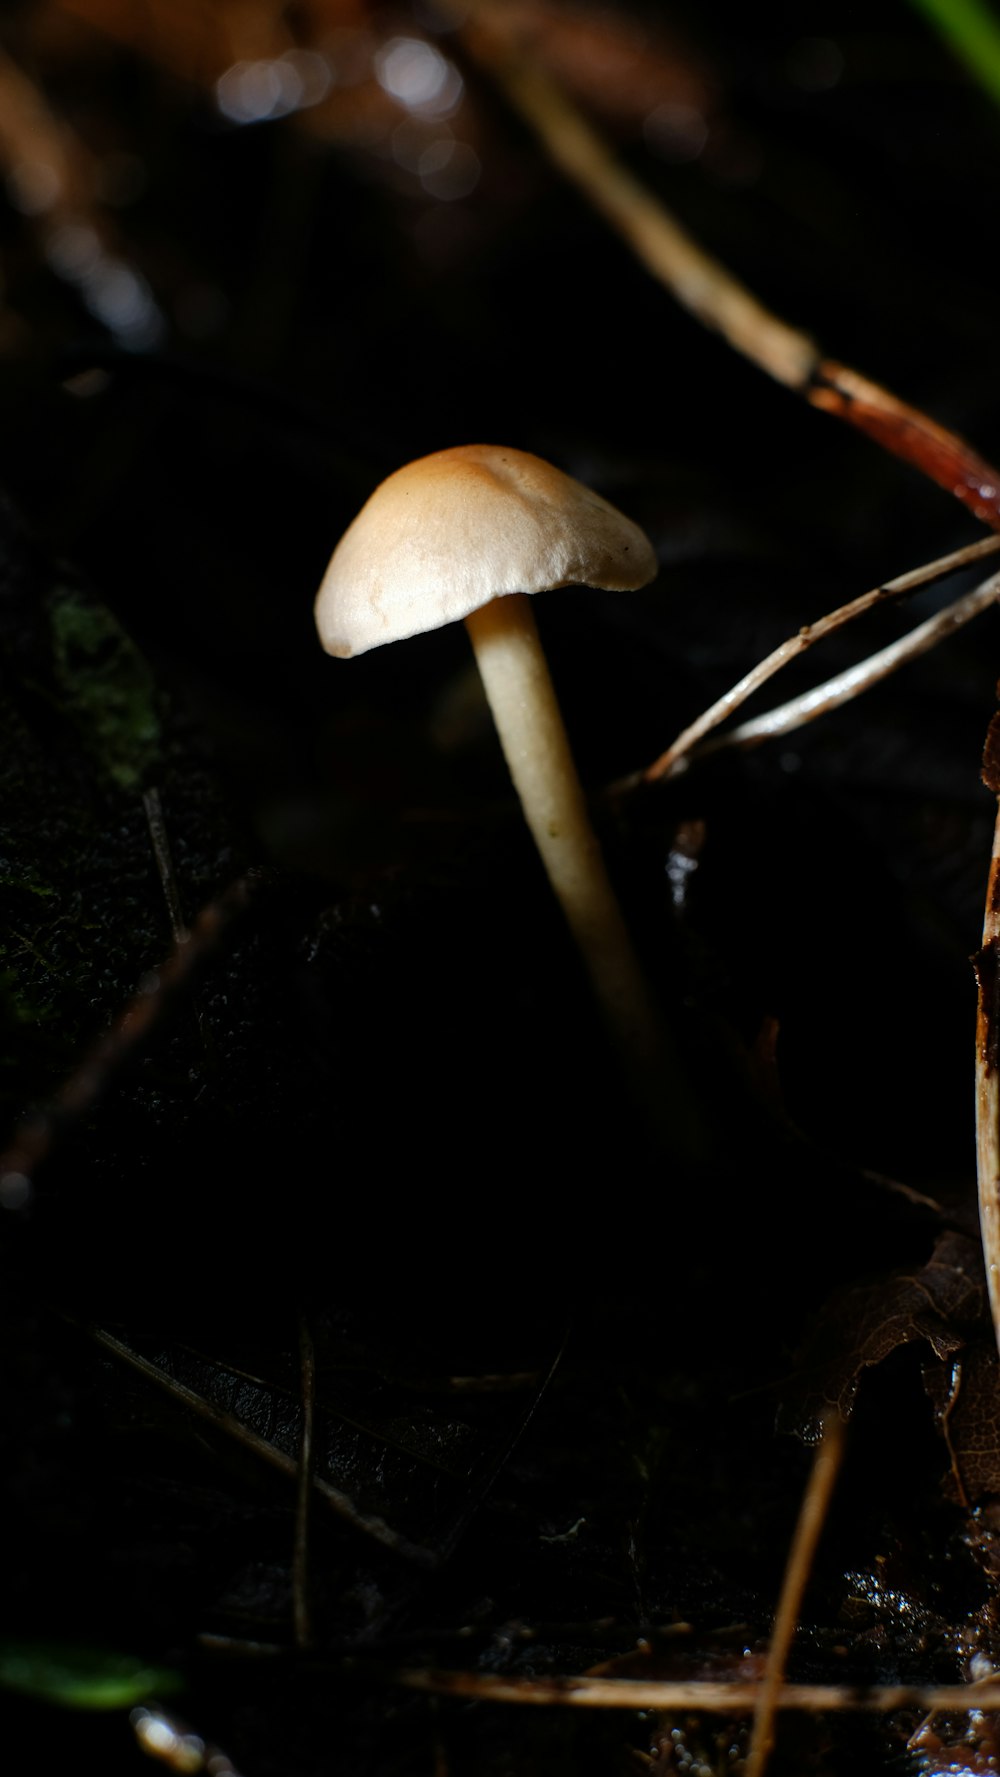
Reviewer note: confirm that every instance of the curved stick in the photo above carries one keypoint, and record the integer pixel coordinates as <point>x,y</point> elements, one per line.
<point>675,757</point>
<point>855,679</point>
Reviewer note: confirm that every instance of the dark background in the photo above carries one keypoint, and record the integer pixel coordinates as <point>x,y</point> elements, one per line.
<point>383,1102</point>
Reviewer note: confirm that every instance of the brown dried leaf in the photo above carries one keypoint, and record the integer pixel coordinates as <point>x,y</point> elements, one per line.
<point>861,1326</point>
<point>991,755</point>
<point>966,1398</point>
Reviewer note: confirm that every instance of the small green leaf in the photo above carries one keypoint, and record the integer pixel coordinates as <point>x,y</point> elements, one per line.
<point>81,1677</point>
<point>972,32</point>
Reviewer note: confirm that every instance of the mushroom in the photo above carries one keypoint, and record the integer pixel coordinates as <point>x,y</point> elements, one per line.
<point>470,533</point>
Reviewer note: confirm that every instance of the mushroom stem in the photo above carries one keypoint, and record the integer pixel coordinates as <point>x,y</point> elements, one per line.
<point>522,697</point>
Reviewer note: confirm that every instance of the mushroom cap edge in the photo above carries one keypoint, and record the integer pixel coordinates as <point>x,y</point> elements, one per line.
<point>447,533</point>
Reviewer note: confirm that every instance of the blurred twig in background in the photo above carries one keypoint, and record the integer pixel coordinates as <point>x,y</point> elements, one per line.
<point>706,287</point>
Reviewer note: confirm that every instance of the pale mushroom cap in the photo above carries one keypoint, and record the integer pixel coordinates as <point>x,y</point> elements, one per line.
<point>447,533</point>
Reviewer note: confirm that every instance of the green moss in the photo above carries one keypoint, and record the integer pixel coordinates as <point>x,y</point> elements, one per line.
<point>106,686</point>
<point>81,731</point>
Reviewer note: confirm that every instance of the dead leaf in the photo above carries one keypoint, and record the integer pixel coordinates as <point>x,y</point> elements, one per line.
<point>966,1398</point>
<point>861,1326</point>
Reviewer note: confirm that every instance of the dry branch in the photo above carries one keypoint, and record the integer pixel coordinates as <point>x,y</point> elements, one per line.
<point>812,1516</point>
<point>34,1139</point>
<point>706,288</point>
<point>675,758</point>
<point>338,1501</point>
<point>845,686</point>
<point>694,1694</point>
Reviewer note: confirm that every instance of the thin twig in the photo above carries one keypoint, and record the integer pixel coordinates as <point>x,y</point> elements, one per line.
<point>34,1138</point>
<point>988,1048</point>
<point>705,287</point>
<point>855,679</point>
<point>812,1516</point>
<point>604,1631</point>
<point>479,1490</point>
<point>674,759</point>
<point>487,1481</point>
<point>234,1428</point>
<point>696,1694</point>
<point>705,1696</point>
<point>300,1552</point>
<point>160,841</point>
